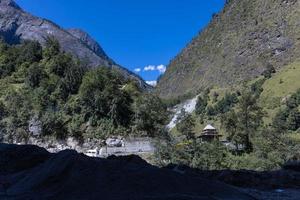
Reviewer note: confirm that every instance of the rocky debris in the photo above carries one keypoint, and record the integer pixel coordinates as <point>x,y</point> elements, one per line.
<point>17,25</point>
<point>35,126</point>
<point>129,147</point>
<point>93,147</point>
<point>69,175</point>
<point>53,145</point>
<point>114,142</point>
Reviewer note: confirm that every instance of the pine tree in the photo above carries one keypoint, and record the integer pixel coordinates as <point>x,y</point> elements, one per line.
<point>250,118</point>
<point>245,121</point>
<point>201,105</point>
<point>293,120</point>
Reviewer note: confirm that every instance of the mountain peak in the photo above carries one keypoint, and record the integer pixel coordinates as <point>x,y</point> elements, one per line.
<point>9,3</point>
<point>17,25</point>
<point>88,41</point>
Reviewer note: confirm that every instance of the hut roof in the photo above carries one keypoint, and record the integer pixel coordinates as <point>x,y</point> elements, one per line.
<point>209,127</point>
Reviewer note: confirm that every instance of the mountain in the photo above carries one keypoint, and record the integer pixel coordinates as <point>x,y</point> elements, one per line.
<point>239,44</point>
<point>17,25</point>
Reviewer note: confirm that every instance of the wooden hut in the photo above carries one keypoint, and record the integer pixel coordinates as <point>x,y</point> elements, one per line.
<point>209,134</point>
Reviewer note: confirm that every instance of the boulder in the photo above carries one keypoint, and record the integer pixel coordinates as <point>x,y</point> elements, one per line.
<point>114,142</point>
<point>35,126</point>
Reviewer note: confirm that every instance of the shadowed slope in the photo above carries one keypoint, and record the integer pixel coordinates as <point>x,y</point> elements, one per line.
<point>69,175</point>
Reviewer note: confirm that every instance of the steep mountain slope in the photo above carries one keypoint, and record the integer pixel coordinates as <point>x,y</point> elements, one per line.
<point>17,25</point>
<point>89,42</point>
<point>238,44</point>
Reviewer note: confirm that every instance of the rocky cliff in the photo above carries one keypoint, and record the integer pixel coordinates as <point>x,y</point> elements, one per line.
<point>237,45</point>
<point>17,25</point>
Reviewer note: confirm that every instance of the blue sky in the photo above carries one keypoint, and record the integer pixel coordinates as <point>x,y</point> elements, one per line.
<point>137,34</point>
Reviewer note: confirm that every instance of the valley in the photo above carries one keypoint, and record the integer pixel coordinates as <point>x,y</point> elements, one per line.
<point>223,121</point>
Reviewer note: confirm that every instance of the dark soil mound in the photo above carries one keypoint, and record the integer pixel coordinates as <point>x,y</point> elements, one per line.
<point>29,172</point>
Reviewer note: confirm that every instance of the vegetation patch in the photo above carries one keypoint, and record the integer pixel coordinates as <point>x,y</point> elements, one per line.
<point>45,92</point>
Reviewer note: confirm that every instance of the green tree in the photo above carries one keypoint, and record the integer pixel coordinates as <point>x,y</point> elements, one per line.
<point>226,103</point>
<point>250,118</point>
<point>275,148</point>
<point>60,63</point>
<point>150,115</point>
<point>8,57</point>
<point>201,105</point>
<point>52,48</point>
<point>30,52</point>
<point>186,127</point>
<point>2,110</point>
<point>205,156</point>
<point>210,156</point>
<point>267,73</point>
<point>230,124</point>
<point>293,120</point>
<point>257,88</point>
<point>102,96</point>
<point>279,122</point>
<point>54,124</point>
<point>292,102</point>
<point>71,81</point>
<point>297,97</point>
<point>210,110</point>
<point>35,75</point>
<point>18,111</point>
<point>243,123</point>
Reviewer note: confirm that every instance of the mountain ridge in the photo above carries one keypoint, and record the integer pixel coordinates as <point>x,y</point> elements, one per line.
<point>17,25</point>
<point>237,45</point>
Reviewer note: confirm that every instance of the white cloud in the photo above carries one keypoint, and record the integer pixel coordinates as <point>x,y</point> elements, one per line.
<point>149,68</point>
<point>137,70</point>
<point>161,69</point>
<point>153,83</point>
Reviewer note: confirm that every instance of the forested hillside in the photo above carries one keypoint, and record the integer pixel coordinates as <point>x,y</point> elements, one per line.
<point>244,67</point>
<point>258,123</point>
<point>45,92</point>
